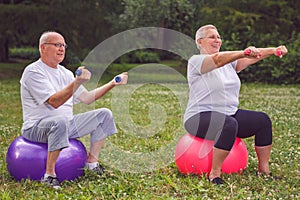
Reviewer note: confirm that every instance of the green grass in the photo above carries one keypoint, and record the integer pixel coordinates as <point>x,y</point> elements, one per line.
<point>140,158</point>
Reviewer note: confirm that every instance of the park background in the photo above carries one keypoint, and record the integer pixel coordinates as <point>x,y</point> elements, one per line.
<point>85,24</point>
<point>271,85</point>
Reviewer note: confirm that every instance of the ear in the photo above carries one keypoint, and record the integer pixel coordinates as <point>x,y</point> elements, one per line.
<point>42,47</point>
<point>199,41</point>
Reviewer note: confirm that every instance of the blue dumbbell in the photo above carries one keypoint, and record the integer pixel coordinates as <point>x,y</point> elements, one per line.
<point>78,72</point>
<point>118,79</point>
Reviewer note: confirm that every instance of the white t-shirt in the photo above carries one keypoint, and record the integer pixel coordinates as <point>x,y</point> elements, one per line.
<point>38,83</point>
<point>217,90</point>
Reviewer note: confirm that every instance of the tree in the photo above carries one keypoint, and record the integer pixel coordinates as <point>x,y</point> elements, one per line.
<point>260,23</point>
<point>83,25</point>
<point>250,22</point>
<point>174,14</point>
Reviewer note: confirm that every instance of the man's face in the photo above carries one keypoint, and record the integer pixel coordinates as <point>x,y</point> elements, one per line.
<point>53,50</point>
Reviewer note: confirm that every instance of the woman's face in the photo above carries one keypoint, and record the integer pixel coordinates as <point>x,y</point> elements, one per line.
<point>211,43</point>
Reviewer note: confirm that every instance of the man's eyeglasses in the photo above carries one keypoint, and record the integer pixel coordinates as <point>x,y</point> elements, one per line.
<point>58,45</point>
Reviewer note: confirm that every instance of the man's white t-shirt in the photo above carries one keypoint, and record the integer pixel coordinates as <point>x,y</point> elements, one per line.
<point>38,83</point>
<point>217,90</point>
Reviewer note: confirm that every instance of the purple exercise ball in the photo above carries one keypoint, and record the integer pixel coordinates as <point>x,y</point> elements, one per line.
<point>26,159</point>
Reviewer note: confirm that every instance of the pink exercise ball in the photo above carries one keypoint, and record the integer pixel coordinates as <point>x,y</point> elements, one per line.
<point>193,155</point>
<point>26,159</point>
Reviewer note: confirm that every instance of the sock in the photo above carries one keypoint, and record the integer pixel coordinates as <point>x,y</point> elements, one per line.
<point>47,175</point>
<point>91,165</point>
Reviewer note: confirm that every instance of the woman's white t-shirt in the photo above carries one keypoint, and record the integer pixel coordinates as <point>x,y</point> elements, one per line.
<point>217,90</point>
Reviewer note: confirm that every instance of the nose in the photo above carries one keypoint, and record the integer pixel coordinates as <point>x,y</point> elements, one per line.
<point>61,48</point>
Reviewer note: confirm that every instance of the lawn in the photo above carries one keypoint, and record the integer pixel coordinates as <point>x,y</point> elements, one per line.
<point>140,158</point>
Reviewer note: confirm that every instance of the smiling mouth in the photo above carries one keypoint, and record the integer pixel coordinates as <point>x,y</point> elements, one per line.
<point>215,46</point>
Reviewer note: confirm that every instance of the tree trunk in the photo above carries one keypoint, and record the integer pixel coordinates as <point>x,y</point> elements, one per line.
<point>3,49</point>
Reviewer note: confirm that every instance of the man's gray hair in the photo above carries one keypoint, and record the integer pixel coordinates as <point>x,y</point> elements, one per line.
<point>44,37</point>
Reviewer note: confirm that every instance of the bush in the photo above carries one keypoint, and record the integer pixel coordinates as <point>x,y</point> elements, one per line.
<point>275,70</point>
<point>26,53</point>
<point>139,56</point>
<point>145,57</point>
<point>31,53</point>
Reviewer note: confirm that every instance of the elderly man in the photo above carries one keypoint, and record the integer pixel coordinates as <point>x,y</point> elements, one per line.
<point>48,93</point>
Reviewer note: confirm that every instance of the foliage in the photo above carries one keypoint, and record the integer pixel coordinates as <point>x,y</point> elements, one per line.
<point>261,24</point>
<point>276,70</point>
<point>289,71</point>
<point>50,15</point>
<point>139,56</point>
<point>86,24</point>
<point>27,53</point>
<point>239,26</point>
<point>280,102</point>
<point>174,14</point>
<point>145,57</point>
<point>31,54</point>
<point>251,22</point>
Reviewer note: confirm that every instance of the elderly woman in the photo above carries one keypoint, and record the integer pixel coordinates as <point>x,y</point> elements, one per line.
<point>212,112</point>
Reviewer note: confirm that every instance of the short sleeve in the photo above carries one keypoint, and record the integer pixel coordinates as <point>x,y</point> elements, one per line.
<point>39,86</point>
<point>195,64</point>
<point>233,64</point>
